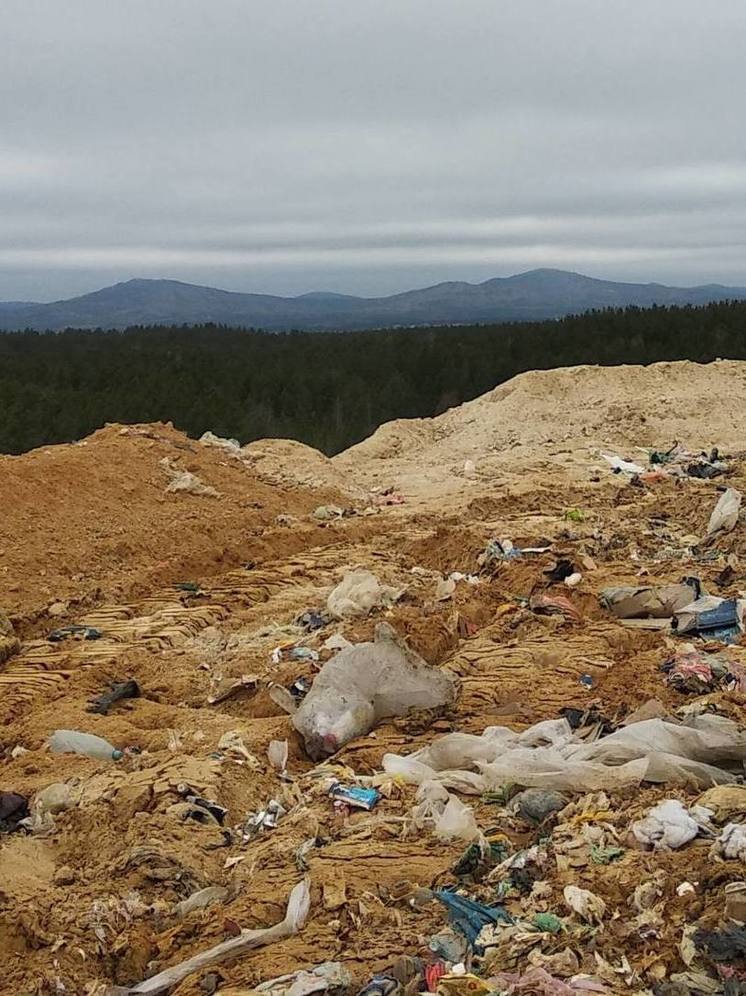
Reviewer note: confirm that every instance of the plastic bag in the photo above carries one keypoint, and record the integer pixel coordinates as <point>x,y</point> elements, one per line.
<point>364,684</point>
<point>277,754</point>
<point>587,905</point>
<point>624,466</point>
<point>456,822</point>
<point>650,602</point>
<point>725,514</point>
<point>357,594</point>
<point>667,825</point>
<point>549,756</point>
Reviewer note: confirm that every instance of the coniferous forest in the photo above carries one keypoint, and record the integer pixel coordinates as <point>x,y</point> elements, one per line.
<point>327,389</point>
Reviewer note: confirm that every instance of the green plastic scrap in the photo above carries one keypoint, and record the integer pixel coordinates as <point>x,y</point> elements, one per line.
<point>574,515</point>
<point>548,923</point>
<point>605,855</point>
<point>501,796</point>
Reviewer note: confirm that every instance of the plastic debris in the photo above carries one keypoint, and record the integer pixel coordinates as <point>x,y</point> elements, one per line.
<point>551,755</point>
<point>119,690</point>
<point>668,825</point>
<point>731,844</point>
<point>694,672</point>
<point>73,742</point>
<point>358,594</point>
<point>547,923</point>
<point>649,601</point>
<point>230,446</point>
<point>712,618</point>
<point>295,916</point>
<point>725,514</point>
<point>77,632</point>
<point>620,466</point>
<point>185,482</point>
<point>13,809</point>
<point>456,821</point>
<point>535,805</point>
<point>588,906</point>
<point>363,684</point>
<point>201,900</point>
<point>469,917</point>
<point>264,819</point>
<point>277,753</point>
<point>355,796</point>
<point>331,976</point>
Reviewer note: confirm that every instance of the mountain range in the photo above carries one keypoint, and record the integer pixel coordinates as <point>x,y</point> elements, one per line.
<point>530,296</point>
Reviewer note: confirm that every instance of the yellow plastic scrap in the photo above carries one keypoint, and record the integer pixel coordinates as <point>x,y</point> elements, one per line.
<point>462,985</point>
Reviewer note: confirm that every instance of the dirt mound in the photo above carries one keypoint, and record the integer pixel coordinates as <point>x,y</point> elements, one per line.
<point>93,519</point>
<point>287,462</point>
<point>550,413</point>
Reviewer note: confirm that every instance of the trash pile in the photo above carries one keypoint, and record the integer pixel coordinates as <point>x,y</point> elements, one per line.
<point>485,744</point>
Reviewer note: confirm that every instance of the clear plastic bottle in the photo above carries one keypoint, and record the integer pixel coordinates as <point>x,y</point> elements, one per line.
<point>73,742</point>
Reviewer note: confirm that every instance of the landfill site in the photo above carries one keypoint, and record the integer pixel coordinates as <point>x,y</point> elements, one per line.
<point>456,711</point>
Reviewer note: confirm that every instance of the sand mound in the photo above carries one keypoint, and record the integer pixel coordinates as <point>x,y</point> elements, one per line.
<point>285,461</point>
<point>93,519</point>
<point>537,414</point>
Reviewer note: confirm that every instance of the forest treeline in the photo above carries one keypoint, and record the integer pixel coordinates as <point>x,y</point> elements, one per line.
<point>326,389</point>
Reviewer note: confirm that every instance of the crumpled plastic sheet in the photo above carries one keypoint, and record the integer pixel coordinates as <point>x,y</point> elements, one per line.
<point>363,684</point>
<point>550,755</point>
<point>670,825</point>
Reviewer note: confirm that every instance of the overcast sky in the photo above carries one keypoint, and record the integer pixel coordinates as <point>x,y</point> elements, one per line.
<point>369,146</point>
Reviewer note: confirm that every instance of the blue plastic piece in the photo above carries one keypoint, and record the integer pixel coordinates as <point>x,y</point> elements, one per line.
<point>469,917</point>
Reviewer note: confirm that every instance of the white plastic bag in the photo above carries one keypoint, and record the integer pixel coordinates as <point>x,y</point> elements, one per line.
<point>668,826</point>
<point>456,822</point>
<point>725,514</point>
<point>625,466</point>
<point>277,753</point>
<point>357,594</point>
<point>364,684</point>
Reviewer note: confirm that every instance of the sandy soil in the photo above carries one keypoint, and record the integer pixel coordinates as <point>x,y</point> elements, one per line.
<point>92,902</point>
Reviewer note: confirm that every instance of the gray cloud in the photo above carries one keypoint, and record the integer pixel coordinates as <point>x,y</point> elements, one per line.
<point>368,145</point>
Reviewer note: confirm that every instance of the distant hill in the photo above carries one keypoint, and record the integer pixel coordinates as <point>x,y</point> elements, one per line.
<point>531,296</point>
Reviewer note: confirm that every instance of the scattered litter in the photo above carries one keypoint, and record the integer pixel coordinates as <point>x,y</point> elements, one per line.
<point>712,618</point>
<point>355,796</point>
<point>725,514</point>
<point>201,900</point>
<point>588,906</point>
<point>456,821</point>
<point>118,691</point>
<point>535,805</point>
<point>693,672</point>
<point>470,917</point>
<point>76,632</point>
<point>231,446</point>
<point>265,819</point>
<point>731,844</point>
<point>620,466</point>
<point>669,825</point>
<point>297,911</point>
<point>660,602</point>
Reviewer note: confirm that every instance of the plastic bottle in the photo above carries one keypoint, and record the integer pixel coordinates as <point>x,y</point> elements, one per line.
<point>73,742</point>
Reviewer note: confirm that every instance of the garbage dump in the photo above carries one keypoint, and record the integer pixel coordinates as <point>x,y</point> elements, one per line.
<point>471,774</point>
